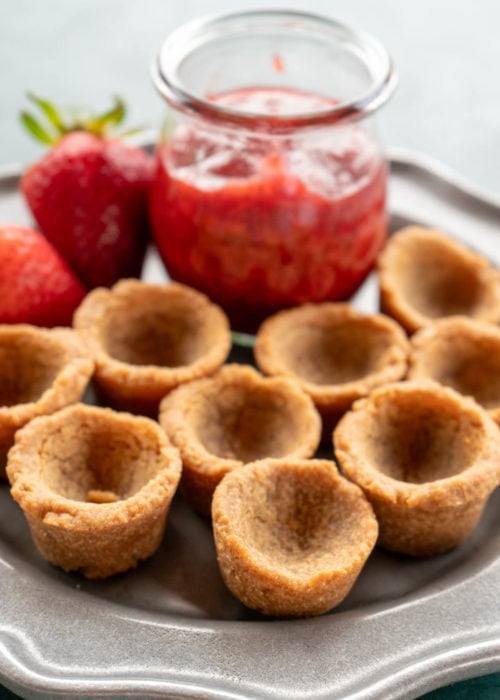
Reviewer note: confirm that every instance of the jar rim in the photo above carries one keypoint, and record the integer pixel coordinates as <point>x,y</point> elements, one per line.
<point>195,33</point>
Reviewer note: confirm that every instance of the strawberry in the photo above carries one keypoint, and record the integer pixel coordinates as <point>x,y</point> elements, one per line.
<point>36,285</point>
<point>88,195</point>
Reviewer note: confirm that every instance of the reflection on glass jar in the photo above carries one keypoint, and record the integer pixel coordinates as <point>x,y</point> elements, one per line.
<point>271,182</point>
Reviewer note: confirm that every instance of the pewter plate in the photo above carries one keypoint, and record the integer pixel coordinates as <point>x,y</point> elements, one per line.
<point>171,629</point>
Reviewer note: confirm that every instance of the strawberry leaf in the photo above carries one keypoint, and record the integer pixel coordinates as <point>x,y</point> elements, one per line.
<point>36,129</point>
<point>132,132</point>
<point>101,125</point>
<point>50,112</point>
<point>109,119</point>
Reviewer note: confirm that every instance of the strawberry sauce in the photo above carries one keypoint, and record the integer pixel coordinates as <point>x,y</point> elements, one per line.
<point>262,220</point>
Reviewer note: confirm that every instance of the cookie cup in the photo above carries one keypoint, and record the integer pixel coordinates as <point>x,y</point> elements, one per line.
<point>291,535</point>
<point>95,487</point>
<point>147,339</point>
<point>424,275</point>
<point>427,459</point>
<point>235,417</point>
<point>463,354</point>
<point>41,371</point>
<point>335,353</point>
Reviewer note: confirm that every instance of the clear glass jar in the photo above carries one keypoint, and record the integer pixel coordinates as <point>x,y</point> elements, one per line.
<point>271,181</point>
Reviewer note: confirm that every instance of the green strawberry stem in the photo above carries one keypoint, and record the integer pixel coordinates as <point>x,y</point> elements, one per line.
<point>56,127</point>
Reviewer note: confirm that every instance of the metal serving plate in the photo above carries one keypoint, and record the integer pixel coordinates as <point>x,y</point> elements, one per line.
<point>171,629</point>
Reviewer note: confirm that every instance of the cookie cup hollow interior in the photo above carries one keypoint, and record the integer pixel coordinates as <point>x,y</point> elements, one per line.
<point>427,459</point>
<point>424,275</point>
<point>235,417</point>
<point>95,486</point>
<point>148,339</point>
<point>41,371</point>
<point>334,352</point>
<point>291,536</point>
<point>461,353</point>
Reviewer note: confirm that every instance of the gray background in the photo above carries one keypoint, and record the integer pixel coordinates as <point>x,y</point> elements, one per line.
<point>82,51</point>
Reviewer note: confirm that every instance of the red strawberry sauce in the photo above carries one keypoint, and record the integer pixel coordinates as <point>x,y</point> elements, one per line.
<point>261,221</point>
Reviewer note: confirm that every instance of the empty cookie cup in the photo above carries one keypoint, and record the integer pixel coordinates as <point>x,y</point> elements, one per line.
<point>425,275</point>
<point>147,339</point>
<point>334,352</point>
<point>461,353</point>
<point>291,535</point>
<point>236,416</point>
<point>95,487</point>
<point>427,459</point>
<point>41,371</point>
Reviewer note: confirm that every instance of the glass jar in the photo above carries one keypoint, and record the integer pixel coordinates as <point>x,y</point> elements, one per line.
<point>270,188</point>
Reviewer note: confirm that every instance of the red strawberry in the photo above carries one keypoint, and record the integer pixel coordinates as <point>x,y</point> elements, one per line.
<point>89,194</point>
<point>36,285</point>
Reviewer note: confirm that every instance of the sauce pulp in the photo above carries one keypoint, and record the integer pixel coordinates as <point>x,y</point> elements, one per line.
<point>261,221</point>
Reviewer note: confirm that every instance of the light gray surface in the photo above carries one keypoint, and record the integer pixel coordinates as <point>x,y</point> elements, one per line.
<point>170,628</point>
<point>82,51</point>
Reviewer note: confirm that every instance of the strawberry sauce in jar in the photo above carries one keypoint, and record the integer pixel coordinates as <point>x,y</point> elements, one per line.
<point>270,188</point>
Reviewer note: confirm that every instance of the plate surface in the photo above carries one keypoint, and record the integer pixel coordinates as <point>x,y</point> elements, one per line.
<point>170,628</point>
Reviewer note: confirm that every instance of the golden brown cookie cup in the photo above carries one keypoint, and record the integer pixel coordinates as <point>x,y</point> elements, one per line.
<point>427,459</point>
<point>463,354</point>
<point>236,416</point>
<point>291,535</point>
<point>425,275</point>
<point>41,370</point>
<point>147,339</point>
<point>334,352</point>
<point>95,487</point>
